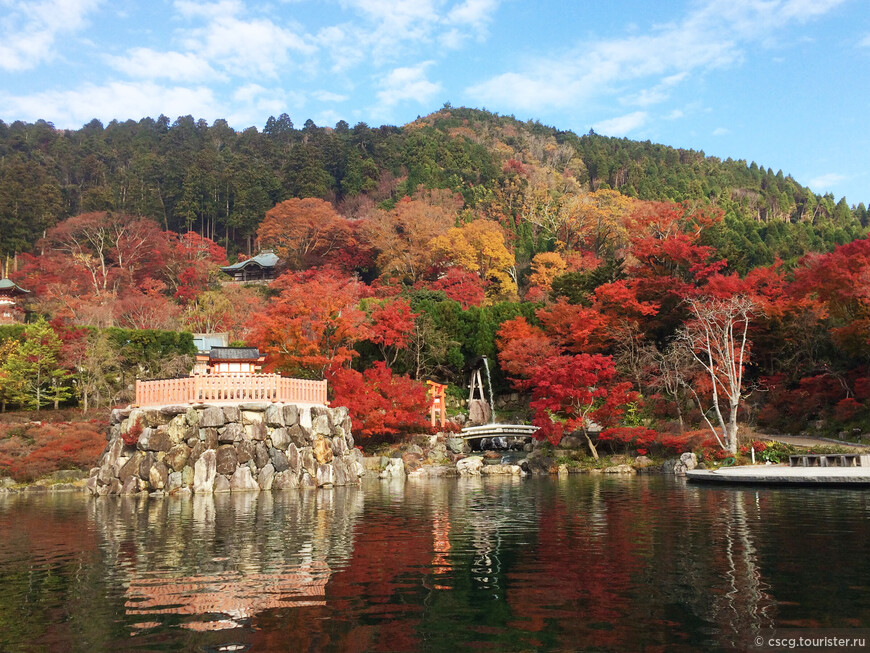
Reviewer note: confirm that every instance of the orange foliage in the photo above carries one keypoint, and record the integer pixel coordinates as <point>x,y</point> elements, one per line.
<point>33,450</point>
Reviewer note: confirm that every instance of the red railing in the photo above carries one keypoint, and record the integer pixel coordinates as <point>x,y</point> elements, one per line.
<point>210,389</point>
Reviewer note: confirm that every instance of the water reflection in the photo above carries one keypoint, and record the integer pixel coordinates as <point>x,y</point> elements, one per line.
<point>489,563</point>
<point>217,561</point>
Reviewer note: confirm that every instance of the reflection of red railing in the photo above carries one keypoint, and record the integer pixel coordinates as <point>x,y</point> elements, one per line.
<point>229,388</point>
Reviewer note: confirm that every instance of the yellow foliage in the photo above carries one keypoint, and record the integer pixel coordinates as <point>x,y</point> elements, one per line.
<point>480,247</point>
<point>546,266</point>
<point>597,221</point>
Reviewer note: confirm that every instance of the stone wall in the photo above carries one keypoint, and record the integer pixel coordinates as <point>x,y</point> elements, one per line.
<point>229,448</point>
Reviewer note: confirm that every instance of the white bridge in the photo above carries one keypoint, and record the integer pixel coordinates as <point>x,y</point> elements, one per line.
<point>498,431</point>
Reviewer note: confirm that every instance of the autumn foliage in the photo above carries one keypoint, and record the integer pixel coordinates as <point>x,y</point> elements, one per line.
<point>30,451</point>
<point>380,403</point>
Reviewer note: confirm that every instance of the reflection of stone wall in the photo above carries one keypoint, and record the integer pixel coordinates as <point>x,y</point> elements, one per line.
<point>209,449</point>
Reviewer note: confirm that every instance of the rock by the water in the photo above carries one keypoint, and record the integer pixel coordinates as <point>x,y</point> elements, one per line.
<point>204,472</point>
<point>470,466</point>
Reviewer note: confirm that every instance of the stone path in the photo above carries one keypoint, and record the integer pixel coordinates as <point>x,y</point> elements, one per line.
<point>801,441</point>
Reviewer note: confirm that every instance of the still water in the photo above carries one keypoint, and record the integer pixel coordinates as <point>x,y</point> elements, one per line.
<point>584,563</point>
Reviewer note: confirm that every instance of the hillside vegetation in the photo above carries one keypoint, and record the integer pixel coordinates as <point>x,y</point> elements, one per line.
<point>660,293</point>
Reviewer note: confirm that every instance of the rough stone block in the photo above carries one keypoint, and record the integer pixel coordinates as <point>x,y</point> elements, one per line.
<point>291,414</point>
<point>279,460</point>
<point>232,414</point>
<point>299,435</point>
<point>232,432</point>
<point>321,426</point>
<point>158,476</point>
<point>266,477</point>
<point>145,463</point>
<point>325,475</point>
<point>195,452</point>
<point>274,415</point>
<point>212,417</point>
<point>255,431</point>
<point>227,460</point>
<point>243,481</point>
<point>280,438</point>
<point>176,458</point>
<point>154,440</point>
<point>323,450</point>
<point>293,457</point>
<point>221,484</point>
<point>285,481</point>
<point>261,454</point>
<point>209,437</point>
<point>244,451</point>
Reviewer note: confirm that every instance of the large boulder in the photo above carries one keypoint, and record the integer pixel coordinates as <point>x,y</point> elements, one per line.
<point>227,460</point>
<point>177,457</point>
<point>261,455</point>
<point>274,415</point>
<point>686,462</point>
<point>291,414</point>
<point>279,460</point>
<point>154,440</point>
<point>280,439</point>
<point>470,466</point>
<point>266,477</point>
<point>323,450</point>
<point>242,480</point>
<point>232,432</point>
<point>212,417</point>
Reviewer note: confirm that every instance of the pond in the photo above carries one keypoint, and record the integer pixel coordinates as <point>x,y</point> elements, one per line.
<point>491,564</point>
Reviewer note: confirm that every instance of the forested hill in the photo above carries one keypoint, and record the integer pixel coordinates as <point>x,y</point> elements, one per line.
<point>188,175</point>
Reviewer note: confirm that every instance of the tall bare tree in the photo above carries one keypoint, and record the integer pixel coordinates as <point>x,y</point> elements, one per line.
<point>716,336</point>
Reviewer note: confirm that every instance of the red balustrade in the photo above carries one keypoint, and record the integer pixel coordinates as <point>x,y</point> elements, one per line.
<point>230,388</point>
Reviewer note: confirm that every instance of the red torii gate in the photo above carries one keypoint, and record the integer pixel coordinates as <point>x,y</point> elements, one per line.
<point>438,397</point>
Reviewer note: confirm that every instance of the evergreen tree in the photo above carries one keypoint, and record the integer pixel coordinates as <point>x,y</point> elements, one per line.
<point>33,377</point>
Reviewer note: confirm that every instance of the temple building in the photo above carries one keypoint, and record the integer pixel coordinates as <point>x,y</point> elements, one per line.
<point>224,361</point>
<point>262,267</point>
<point>10,310</point>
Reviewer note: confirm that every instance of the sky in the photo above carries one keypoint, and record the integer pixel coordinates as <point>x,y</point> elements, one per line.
<point>784,83</point>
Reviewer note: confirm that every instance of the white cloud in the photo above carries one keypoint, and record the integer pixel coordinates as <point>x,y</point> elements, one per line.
<point>621,125</point>
<point>827,181</point>
<point>145,63</point>
<point>71,109</point>
<point>192,9</point>
<point>721,131</point>
<point>712,35</point>
<point>243,47</point>
<point>328,96</point>
<point>865,42</point>
<point>29,30</point>
<point>408,83</point>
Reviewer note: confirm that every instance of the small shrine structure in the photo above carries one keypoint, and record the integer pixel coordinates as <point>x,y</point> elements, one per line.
<point>229,375</point>
<point>230,360</point>
<point>10,292</point>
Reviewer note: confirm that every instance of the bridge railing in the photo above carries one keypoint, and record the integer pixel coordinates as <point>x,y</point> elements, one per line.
<point>232,388</point>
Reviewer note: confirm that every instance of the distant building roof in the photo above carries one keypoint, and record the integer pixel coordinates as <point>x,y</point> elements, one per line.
<point>205,341</point>
<point>262,260</point>
<point>234,354</point>
<point>8,284</point>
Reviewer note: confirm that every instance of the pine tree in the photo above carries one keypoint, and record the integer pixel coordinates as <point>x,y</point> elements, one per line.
<point>32,375</point>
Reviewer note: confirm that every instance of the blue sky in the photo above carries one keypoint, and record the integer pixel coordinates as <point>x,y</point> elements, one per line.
<point>785,83</point>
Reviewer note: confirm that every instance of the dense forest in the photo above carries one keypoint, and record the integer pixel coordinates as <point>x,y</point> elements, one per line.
<point>657,292</point>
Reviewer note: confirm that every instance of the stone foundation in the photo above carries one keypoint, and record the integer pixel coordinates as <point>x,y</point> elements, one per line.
<point>207,449</point>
